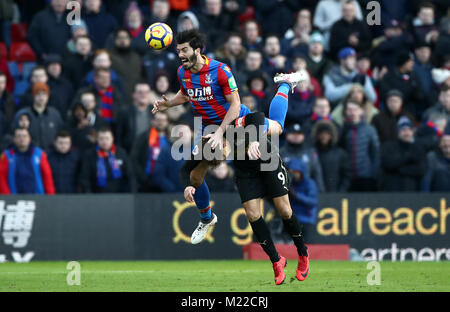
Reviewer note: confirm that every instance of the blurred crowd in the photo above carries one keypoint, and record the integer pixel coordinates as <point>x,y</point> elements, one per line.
<point>75,100</point>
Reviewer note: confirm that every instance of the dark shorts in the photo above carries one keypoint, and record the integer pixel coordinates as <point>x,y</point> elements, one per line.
<point>260,184</point>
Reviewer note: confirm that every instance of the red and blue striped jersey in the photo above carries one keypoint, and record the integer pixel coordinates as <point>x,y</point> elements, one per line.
<point>207,90</point>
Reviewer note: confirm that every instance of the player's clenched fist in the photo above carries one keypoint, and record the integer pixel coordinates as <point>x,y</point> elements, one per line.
<point>160,105</point>
<point>189,194</point>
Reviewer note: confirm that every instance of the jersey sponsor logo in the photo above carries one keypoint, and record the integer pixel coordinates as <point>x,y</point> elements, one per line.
<point>232,83</point>
<point>200,94</point>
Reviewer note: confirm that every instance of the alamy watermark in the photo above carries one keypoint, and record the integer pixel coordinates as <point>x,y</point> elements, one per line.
<point>73,278</point>
<point>374,276</point>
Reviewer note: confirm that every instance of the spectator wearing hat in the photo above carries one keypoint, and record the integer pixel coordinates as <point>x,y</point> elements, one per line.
<point>442,106</point>
<point>79,64</point>
<point>386,121</point>
<point>361,143</point>
<point>295,147</point>
<point>403,161</point>
<point>99,22</point>
<point>395,41</point>
<point>318,63</point>
<point>77,30</point>
<point>333,159</point>
<point>349,32</point>
<point>24,168</point>
<point>187,21</point>
<point>49,31</point>
<point>64,162</point>
<point>61,87</point>
<point>423,67</point>
<point>303,197</point>
<point>404,79</point>
<point>430,132</point>
<point>437,177</point>
<point>45,120</point>
<point>301,101</point>
<point>340,78</point>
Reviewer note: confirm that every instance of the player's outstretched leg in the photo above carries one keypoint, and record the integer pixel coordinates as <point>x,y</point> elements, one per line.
<point>207,217</point>
<point>294,229</point>
<point>279,105</point>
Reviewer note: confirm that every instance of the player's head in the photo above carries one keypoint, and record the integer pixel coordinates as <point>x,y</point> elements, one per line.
<point>190,44</point>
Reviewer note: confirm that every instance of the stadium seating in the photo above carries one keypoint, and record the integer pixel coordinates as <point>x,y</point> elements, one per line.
<point>3,51</point>
<point>19,32</point>
<point>21,52</point>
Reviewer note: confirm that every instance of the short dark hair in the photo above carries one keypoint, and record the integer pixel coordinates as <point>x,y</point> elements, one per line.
<point>63,134</point>
<point>19,128</point>
<point>120,29</point>
<point>195,39</point>
<point>427,5</point>
<point>97,71</point>
<point>38,67</point>
<point>105,129</point>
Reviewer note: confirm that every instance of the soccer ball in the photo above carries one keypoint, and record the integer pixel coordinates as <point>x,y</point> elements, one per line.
<point>159,36</point>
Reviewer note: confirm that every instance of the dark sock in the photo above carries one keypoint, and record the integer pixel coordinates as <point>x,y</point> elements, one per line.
<point>262,234</point>
<point>294,228</point>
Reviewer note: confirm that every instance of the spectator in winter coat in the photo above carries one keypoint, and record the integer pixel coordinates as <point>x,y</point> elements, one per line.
<point>167,169</point>
<point>134,23</point>
<point>303,196</point>
<point>321,111</point>
<point>361,143</point>
<point>146,151</point>
<point>424,27</point>
<point>274,61</point>
<point>78,65</point>
<point>430,132</point>
<point>257,85</point>
<point>298,64</point>
<point>49,31</point>
<point>64,162</point>
<point>437,177</point>
<point>318,63</point>
<point>423,67</point>
<point>403,160</point>
<point>442,107</point>
<point>232,52</point>
<point>333,159</point>
<point>106,168</point>
<point>301,102</point>
<point>386,121</point>
<point>295,147</point>
<point>99,22</point>
<point>338,81</point>
<point>24,168</point>
<point>252,37</point>
<point>45,120</point>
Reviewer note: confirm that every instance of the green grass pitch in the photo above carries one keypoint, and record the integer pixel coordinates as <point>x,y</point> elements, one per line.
<point>221,276</point>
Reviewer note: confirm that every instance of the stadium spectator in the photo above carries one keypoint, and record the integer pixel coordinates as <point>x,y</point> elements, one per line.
<point>24,168</point>
<point>7,102</point>
<point>298,64</point>
<point>220,178</point>
<point>85,121</point>
<point>361,143</point>
<point>102,60</point>
<point>340,79</point>
<point>406,81</point>
<point>49,31</point>
<point>134,23</point>
<point>186,21</point>
<point>330,11</point>
<point>160,13</point>
<point>253,63</point>
<point>257,84</point>
<point>298,42</point>
<point>161,85</point>
<point>134,120</point>
<point>106,168</point>
<point>303,18</point>
<point>316,60</point>
<point>276,16</point>
<point>303,196</point>
<point>64,162</point>
<point>423,67</point>
<point>109,100</point>
<point>295,147</point>
<point>234,8</point>
<point>424,26</point>
<point>386,121</point>
<point>301,102</point>
<point>216,23</point>
<point>77,30</point>
<point>167,169</point>
<point>61,88</point>
<point>442,106</point>
<point>429,133</point>
<point>443,43</point>
<point>395,41</point>
<point>320,111</point>
<point>252,37</point>
<point>6,16</point>
<point>146,151</point>
<point>403,161</point>
<point>156,60</point>
<point>349,31</point>
<point>333,159</point>
<point>125,61</point>
<point>232,52</point>
<point>437,177</point>
<point>274,61</point>
<point>78,64</point>
<point>45,120</point>
<point>357,95</point>
<point>99,22</point>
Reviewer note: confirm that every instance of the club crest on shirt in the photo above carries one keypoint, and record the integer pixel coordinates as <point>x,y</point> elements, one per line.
<point>208,79</point>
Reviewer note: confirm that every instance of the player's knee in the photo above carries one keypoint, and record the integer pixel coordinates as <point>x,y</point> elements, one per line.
<point>252,215</point>
<point>285,211</point>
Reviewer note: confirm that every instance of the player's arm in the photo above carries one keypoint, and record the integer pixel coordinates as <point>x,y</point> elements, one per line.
<point>164,103</point>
